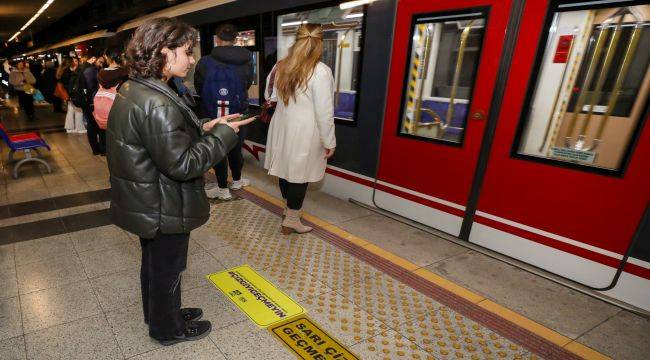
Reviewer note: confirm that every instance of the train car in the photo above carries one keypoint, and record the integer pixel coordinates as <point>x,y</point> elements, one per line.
<point>516,126</point>
<point>519,126</point>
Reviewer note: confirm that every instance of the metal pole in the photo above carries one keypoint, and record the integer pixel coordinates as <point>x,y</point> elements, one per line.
<point>616,91</point>
<point>591,70</point>
<point>459,65</point>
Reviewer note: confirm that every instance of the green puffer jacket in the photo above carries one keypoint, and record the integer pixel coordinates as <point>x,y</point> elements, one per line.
<point>157,154</point>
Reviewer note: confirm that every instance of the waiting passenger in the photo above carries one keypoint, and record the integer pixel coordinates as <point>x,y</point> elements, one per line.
<point>110,79</point>
<point>48,85</point>
<point>23,82</point>
<point>301,134</point>
<point>158,151</point>
<point>68,74</point>
<point>222,79</point>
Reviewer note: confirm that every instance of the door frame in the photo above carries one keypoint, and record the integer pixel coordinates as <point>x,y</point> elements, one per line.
<point>509,44</point>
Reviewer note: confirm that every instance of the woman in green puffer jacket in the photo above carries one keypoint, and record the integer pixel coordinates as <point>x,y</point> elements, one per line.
<point>158,151</point>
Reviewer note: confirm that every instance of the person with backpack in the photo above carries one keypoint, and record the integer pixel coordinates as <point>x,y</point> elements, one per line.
<point>109,80</point>
<point>82,95</point>
<point>222,79</point>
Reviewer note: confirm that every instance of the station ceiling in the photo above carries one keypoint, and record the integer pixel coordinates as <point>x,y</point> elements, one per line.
<point>65,19</point>
<point>15,13</point>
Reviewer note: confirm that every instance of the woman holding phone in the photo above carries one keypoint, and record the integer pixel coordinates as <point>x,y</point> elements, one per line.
<point>301,136</point>
<point>158,151</point>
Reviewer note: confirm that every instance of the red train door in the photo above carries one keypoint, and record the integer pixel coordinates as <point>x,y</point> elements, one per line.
<point>567,183</point>
<point>444,65</point>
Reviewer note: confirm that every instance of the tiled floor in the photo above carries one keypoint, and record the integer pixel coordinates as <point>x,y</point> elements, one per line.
<point>75,295</point>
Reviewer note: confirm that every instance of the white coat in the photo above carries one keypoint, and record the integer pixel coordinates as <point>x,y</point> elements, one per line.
<point>300,132</point>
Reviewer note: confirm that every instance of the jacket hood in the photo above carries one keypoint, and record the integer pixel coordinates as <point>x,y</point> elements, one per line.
<point>231,55</point>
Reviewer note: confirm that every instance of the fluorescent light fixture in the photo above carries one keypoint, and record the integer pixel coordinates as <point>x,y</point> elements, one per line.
<point>294,23</point>
<point>355,3</point>
<point>354,16</point>
<point>38,13</point>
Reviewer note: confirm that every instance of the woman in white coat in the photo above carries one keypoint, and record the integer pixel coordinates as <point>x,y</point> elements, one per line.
<point>301,135</point>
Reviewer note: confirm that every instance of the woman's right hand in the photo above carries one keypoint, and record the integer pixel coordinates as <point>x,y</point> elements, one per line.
<point>236,124</point>
<point>207,126</point>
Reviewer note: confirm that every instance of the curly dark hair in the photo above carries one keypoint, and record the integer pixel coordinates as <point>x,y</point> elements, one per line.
<point>143,53</point>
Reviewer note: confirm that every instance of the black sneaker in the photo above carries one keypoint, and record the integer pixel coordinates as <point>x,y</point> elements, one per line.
<point>191,314</point>
<point>195,330</point>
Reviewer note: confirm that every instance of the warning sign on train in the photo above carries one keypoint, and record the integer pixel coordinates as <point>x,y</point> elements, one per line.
<point>308,341</point>
<point>259,299</point>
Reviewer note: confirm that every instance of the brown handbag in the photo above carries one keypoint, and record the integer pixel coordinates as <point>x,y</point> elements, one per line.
<point>61,92</point>
<point>268,108</point>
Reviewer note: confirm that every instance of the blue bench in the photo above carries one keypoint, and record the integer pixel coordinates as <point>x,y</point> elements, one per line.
<point>25,142</point>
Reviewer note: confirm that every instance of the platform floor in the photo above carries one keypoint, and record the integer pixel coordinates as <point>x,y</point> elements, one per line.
<point>69,286</point>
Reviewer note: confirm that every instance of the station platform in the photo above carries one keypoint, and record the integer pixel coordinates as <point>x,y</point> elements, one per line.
<point>378,288</point>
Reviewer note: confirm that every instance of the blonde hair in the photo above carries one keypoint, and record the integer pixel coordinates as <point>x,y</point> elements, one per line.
<point>294,71</point>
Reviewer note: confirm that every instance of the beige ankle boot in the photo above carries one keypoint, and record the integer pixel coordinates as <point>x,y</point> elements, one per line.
<point>292,223</point>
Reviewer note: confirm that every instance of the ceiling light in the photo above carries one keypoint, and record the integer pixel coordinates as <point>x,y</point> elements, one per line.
<point>294,23</point>
<point>354,16</point>
<point>352,4</point>
<point>38,13</point>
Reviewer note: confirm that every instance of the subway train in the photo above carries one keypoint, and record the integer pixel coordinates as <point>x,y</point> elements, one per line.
<point>517,127</point>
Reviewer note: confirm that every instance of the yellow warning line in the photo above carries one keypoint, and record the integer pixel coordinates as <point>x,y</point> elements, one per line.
<point>503,312</point>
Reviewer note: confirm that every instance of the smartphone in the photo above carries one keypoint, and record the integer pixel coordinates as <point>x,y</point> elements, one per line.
<point>242,117</point>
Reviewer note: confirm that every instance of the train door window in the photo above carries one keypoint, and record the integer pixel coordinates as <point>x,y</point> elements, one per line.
<point>342,49</point>
<point>591,86</point>
<point>444,53</point>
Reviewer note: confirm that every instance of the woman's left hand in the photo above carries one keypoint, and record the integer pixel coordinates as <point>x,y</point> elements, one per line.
<point>329,153</point>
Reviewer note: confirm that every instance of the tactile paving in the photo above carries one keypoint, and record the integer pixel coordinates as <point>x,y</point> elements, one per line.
<point>388,299</point>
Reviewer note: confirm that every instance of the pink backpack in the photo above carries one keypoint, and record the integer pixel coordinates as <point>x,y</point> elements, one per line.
<point>103,101</point>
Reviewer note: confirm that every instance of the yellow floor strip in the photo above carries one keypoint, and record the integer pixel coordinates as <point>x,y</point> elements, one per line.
<point>346,235</point>
<point>585,352</point>
<point>526,323</point>
<point>403,263</point>
<point>449,286</point>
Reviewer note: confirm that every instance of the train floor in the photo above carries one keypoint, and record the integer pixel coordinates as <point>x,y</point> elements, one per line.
<point>379,289</point>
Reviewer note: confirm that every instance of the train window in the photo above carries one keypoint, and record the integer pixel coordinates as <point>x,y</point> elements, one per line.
<point>342,49</point>
<point>244,38</point>
<point>444,53</point>
<point>592,85</point>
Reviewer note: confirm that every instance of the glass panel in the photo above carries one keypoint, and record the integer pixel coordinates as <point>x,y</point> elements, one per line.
<point>254,90</point>
<point>244,38</point>
<point>445,52</point>
<point>342,47</point>
<point>592,86</point>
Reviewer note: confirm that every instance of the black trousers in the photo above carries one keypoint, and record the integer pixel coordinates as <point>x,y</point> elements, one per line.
<point>57,104</point>
<point>96,136</point>
<point>235,160</point>
<point>163,260</point>
<point>26,102</point>
<point>294,193</point>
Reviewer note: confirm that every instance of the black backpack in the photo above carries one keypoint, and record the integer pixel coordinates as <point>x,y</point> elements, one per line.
<point>78,88</point>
